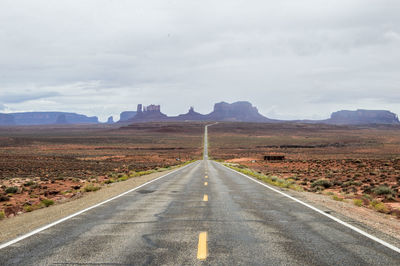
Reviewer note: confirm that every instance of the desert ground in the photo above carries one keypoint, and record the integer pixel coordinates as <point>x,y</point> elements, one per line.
<point>40,166</point>
<point>356,164</point>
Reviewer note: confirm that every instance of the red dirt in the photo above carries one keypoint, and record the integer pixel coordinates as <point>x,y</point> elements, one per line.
<point>57,163</point>
<point>354,161</point>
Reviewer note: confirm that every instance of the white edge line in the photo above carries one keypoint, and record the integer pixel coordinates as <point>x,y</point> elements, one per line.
<point>40,229</point>
<point>380,241</point>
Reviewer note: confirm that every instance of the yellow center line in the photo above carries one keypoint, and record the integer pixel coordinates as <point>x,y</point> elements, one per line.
<point>205,198</point>
<point>205,183</point>
<point>202,251</point>
<point>206,176</point>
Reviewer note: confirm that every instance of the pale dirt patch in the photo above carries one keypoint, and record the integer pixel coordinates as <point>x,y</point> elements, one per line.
<point>101,158</point>
<point>24,223</point>
<point>243,159</point>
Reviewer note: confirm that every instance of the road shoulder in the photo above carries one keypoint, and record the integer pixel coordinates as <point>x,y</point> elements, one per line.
<point>380,225</point>
<point>27,222</point>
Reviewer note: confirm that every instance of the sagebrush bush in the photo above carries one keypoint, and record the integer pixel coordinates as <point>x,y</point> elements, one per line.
<point>123,178</point>
<point>4,198</point>
<point>382,190</point>
<point>11,190</point>
<point>90,188</point>
<point>358,202</point>
<point>321,183</point>
<point>47,202</point>
<point>28,208</point>
<point>379,206</point>
<point>109,181</point>
<point>29,183</point>
<point>335,197</point>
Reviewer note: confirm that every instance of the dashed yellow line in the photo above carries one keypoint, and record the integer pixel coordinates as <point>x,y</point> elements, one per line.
<point>205,198</point>
<point>206,176</point>
<point>206,183</point>
<point>202,251</point>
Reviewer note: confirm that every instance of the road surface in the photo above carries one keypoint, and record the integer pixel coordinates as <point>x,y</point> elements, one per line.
<point>203,214</point>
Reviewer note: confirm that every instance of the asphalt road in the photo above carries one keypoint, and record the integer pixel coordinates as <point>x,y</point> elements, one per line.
<point>239,222</point>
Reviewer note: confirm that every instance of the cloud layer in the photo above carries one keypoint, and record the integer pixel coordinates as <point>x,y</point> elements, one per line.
<point>292,59</point>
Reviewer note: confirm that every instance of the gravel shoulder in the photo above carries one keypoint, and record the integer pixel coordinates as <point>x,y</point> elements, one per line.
<point>383,226</point>
<point>26,222</point>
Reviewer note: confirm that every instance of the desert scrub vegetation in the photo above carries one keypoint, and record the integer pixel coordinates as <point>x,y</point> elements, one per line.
<point>358,202</point>
<point>11,190</point>
<point>337,198</point>
<point>4,198</point>
<point>379,206</point>
<point>29,183</point>
<point>47,202</point>
<point>109,181</point>
<point>272,180</point>
<point>42,204</point>
<point>90,188</point>
<point>321,183</point>
<point>383,190</point>
<point>28,208</point>
<point>2,215</point>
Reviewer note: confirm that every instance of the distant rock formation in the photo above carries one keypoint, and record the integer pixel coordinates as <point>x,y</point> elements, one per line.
<point>150,113</point>
<point>61,119</point>
<point>126,115</point>
<point>244,112</point>
<point>48,118</point>
<point>362,117</point>
<point>110,120</point>
<point>238,111</point>
<point>235,112</point>
<point>6,120</point>
<point>191,115</point>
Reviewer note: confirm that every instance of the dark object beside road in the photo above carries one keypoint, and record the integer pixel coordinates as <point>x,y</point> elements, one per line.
<point>274,157</point>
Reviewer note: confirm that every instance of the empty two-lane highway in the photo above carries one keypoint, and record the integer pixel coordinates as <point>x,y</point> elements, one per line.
<point>201,214</point>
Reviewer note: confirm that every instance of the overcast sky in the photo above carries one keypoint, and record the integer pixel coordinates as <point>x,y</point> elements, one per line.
<point>291,59</point>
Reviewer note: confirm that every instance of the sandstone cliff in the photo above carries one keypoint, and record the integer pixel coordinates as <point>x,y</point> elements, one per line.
<point>48,118</point>
<point>6,119</point>
<point>126,115</point>
<point>361,117</point>
<point>238,111</point>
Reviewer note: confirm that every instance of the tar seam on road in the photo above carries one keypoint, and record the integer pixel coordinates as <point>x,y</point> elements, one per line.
<point>380,241</point>
<point>84,210</point>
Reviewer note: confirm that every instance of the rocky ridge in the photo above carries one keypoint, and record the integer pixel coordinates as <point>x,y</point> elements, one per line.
<point>241,111</point>
<point>361,117</point>
<point>46,118</point>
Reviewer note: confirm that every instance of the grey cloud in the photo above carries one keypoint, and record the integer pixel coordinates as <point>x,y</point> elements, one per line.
<point>281,55</point>
<point>27,96</point>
